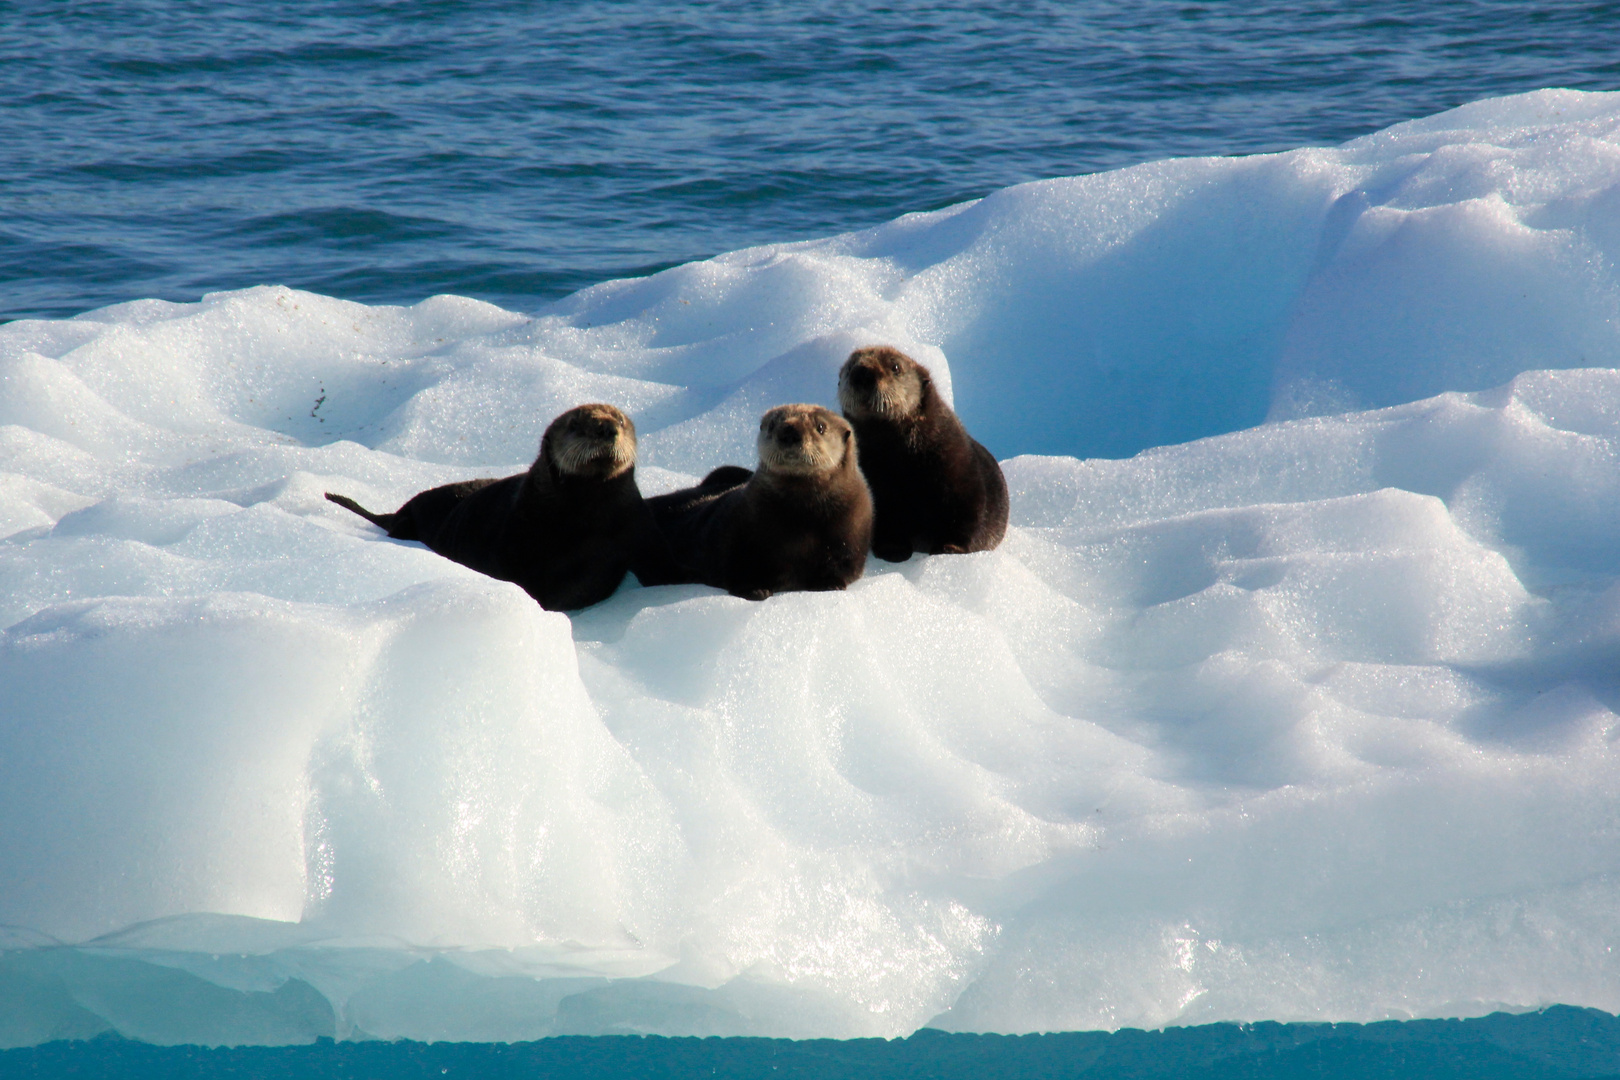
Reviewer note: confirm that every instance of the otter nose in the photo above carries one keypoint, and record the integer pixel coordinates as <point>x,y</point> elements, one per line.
<point>790,435</point>
<point>603,428</point>
<point>863,378</point>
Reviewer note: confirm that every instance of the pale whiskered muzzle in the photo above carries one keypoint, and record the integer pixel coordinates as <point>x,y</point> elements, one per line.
<point>815,454</point>
<point>864,392</point>
<point>578,455</point>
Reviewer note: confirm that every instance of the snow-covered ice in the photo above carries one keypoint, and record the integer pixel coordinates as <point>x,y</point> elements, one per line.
<point>1305,711</point>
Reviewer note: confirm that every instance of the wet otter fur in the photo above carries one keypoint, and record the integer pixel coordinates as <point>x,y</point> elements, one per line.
<point>802,520</point>
<point>566,530</point>
<point>935,489</point>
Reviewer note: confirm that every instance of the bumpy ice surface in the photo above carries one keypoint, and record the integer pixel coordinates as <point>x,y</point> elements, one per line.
<point>1312,717</point>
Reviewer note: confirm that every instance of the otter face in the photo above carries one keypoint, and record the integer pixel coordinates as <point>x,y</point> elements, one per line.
<point>802,440</point>
<point>880,381</point>
<point>591,441</point>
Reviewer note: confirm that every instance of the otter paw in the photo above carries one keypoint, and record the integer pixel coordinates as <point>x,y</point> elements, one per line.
<point>892,552</point>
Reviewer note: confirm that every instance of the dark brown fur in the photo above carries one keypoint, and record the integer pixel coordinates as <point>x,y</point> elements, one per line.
<point>566,536</point>
<point>775,529</point>
<point>936,490</point>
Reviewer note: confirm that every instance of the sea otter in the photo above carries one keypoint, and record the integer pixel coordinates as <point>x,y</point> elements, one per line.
<point>802,520</point>
<point>936,489</point>
<point>566,530</point>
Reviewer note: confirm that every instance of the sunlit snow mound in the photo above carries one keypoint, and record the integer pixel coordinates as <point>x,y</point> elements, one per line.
<point>1312,718</point>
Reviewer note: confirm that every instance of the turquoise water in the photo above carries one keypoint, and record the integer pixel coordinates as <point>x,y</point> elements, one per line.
<point>1559,1044</point>
<point>386,151</point>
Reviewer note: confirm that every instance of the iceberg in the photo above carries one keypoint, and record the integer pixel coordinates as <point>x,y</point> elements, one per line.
<point>1291,694</point>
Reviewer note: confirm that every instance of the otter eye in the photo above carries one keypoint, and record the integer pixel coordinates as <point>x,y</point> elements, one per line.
<point>821,428</point>
<point>894,367</point>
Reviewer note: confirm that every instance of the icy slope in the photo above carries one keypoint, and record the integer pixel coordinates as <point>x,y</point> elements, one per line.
<point>1312,719</point>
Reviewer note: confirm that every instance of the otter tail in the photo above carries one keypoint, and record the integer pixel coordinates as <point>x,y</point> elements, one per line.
<point>725,478</point>
<point>386,522</point>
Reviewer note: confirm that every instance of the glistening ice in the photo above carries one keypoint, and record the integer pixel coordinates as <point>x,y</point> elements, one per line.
<point>1305,711</point>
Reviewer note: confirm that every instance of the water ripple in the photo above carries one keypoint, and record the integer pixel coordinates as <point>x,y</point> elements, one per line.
<point>385,150</point>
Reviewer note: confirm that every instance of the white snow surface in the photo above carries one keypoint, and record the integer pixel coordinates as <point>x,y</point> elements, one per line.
<point>1311,718</point>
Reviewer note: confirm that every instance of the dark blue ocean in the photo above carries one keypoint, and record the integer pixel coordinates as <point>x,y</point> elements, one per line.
<point>387,150</point>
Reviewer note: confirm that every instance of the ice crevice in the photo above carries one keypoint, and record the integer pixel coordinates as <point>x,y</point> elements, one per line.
<point>1291,694</point>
